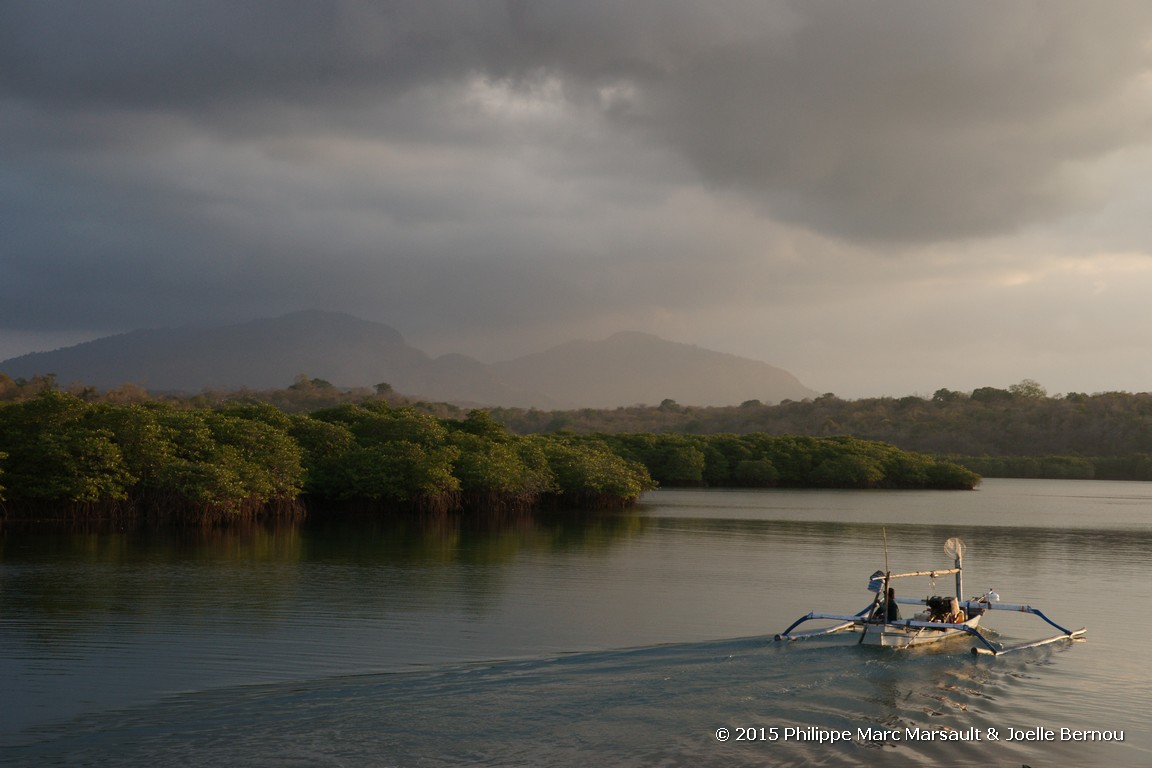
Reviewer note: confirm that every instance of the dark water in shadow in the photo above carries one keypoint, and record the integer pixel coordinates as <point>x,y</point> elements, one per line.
<point>621,639</point>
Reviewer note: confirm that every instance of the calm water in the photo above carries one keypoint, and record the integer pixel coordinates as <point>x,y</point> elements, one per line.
<point>624,639</point>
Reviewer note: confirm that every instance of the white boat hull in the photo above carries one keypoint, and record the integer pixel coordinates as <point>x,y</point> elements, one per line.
<point>903,635</point>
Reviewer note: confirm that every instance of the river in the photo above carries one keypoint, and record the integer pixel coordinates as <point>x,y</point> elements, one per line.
<point>624,639</point>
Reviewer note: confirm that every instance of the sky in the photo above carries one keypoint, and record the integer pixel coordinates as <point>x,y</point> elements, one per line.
<point>882,197</point>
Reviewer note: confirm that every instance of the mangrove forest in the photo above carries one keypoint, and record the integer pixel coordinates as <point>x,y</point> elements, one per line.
<point>64,455</point>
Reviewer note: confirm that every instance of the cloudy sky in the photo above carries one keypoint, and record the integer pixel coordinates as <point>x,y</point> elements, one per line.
<point>884,198</point>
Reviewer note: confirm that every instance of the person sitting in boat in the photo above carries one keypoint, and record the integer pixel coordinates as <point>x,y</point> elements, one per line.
<point>888,610</point>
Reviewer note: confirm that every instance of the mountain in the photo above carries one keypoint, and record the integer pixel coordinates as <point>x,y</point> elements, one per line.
<point>625,369</point>
<point>266,354</point>
<point>259,354</point>
<point>630,367</point>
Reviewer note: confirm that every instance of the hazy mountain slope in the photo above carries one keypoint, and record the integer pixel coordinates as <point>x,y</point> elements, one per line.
<point>461,379</point>
<point>259,354</point>
<point>625,369</point>
<point>629,368</point>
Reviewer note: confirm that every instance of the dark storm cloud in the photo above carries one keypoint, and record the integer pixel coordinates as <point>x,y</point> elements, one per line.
<point>786,95</point>
<point>138,54</point>
<point>907,120</point>
<point>504,164</point>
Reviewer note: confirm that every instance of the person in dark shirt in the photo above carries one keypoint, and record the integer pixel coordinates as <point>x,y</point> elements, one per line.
<point>886,608</point>
<point>891,607</point>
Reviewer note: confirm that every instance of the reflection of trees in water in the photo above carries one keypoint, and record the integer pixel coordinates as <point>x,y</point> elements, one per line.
<point>67,579</point>
<point>472,539</point>
<point>71,579</point>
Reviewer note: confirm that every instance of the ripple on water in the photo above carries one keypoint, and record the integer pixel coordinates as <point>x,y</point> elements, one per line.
<point>646,706</point>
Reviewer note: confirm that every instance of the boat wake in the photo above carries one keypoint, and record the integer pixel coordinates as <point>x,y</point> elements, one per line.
<point>659,705</point>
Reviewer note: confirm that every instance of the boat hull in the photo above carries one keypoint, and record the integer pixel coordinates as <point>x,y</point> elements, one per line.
<point>901,635</point>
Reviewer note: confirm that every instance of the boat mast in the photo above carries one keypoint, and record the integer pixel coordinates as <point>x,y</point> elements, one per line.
<point>955,547</point>
<point>959,575</point>
<point>887,573</point>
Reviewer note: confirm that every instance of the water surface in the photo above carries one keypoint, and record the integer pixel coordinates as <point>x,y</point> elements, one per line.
<point>623,639</point>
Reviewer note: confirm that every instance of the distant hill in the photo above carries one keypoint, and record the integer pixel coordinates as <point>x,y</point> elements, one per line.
<point>625,369</point>
<point>629,368</point>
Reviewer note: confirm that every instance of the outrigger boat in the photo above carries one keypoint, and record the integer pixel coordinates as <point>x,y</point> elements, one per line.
<point>941,618</point>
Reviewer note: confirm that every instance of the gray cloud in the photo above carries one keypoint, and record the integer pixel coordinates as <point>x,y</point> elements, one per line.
<point>503,175</point>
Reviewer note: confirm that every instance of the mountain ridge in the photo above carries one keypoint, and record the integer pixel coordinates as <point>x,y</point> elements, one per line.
<point>627,368</point>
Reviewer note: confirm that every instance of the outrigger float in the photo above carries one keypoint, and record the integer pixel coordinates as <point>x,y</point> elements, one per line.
<point>942,618</point>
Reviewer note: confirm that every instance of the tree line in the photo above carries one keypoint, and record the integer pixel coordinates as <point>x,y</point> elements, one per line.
<point>760,460</point>
<point>1018,431</point>
<point>244,460</point>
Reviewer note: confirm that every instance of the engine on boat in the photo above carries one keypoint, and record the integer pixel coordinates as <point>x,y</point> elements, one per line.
<point>941,608</point>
